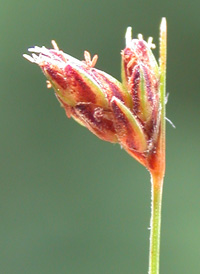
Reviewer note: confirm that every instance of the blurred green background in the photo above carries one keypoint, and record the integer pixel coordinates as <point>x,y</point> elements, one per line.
<point>70,203</point>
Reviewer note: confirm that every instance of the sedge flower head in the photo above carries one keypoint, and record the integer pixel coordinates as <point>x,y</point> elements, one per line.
<point>127,112</point>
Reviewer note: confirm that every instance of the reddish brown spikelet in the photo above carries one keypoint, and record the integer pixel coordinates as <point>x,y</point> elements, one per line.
<point>127,113</point>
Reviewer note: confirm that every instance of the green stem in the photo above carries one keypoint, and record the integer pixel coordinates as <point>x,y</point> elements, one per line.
<point>156,202</point>
<point>157,175</point>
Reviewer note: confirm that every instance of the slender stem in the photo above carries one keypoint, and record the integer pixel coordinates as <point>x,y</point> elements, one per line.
<point>156,202</point>
<point>157,175</point>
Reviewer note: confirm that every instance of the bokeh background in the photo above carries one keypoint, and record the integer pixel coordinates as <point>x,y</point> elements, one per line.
<point>69,202</point>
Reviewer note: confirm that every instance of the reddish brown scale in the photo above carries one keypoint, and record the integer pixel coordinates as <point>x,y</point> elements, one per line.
<point>141,51</point>
<point>86,114</point>
<point>134,89</point>
<point>130,61</point>
<point>123,128</point>
<point>78,86</point>
<point>149,129</point>
<point>110,88</point>
<point>151,126</point>
<point>77,117</point>
<point>55,74</point>
<point>148,83</point>
<point>101,125</point>
<point>125,134</point>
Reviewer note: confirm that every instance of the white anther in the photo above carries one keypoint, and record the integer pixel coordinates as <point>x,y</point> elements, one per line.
<point>140,36</point>
<point>54,44</point>
<point>150,43</point>
<point>36,49</point>
<point>29,58</point>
